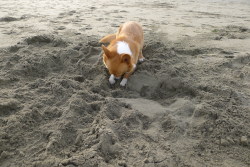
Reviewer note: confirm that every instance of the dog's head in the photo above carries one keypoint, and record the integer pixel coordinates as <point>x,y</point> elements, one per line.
<point>117,64</point>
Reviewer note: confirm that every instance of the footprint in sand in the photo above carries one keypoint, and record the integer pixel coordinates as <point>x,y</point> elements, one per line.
<point>8,19</point>
<point>9,106</point>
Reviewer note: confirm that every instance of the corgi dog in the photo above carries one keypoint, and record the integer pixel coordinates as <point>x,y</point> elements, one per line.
<point>123,52</point>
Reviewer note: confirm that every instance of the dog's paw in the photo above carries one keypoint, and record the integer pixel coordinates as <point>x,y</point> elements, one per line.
<point>112,79</point>
<point>124,82</point>
<point>134,66</point>
<point>141,59</point>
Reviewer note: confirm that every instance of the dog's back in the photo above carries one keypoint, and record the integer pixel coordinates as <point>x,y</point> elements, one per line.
<point>131,30</point>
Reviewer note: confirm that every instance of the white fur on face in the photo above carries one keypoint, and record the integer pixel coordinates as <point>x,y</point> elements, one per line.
<point>124,82</point>
<point>123,48</point>
<point>112,79</point>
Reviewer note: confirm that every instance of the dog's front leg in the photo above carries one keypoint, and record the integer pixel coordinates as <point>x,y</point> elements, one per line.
<point>126,76</point>
<point>124,81</point>
<point>112,79</point>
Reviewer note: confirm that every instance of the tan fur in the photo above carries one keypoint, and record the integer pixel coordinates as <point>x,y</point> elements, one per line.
<point>108,38</point>
<point>131,33</point>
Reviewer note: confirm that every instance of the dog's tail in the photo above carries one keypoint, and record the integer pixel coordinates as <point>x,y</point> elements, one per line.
<point>108,38</point>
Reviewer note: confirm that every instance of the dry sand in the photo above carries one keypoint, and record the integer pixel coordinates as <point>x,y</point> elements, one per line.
<point>187,105</point>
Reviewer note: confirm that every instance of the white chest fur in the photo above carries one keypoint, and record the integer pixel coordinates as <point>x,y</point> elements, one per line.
<point>123,48</point>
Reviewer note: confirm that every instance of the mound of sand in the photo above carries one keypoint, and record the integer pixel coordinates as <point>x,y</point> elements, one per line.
<point>57,110</point>
<point>186,105</point>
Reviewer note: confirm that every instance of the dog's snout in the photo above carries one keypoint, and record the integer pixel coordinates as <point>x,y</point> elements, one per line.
<point>117,77</point>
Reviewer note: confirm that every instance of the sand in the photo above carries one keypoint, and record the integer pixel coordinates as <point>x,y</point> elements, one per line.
<point>187,105</point>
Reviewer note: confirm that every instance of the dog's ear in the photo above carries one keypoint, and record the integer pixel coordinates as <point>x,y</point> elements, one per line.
<point>126,58</point>
<point>106,51</point>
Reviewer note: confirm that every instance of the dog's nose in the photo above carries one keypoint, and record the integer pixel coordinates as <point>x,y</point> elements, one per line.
<point>117,77</point>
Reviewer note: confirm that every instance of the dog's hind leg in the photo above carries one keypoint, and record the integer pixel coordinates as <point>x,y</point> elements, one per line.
<point>141,57</point>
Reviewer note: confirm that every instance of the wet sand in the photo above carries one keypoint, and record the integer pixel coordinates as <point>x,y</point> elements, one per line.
<point>188,104</point>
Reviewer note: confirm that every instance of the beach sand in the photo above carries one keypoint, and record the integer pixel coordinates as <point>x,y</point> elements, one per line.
<point>187,105</point>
